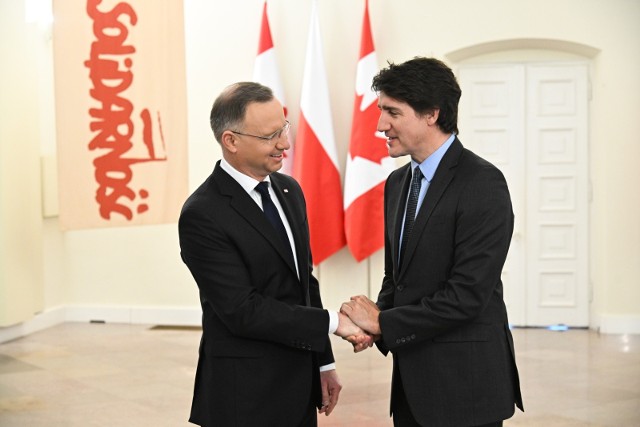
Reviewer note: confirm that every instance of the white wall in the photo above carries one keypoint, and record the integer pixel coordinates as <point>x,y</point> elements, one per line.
<point>118,273</point>
<point>21,273</point>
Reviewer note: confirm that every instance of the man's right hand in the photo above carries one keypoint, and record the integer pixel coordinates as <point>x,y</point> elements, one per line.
<point>353,333</point>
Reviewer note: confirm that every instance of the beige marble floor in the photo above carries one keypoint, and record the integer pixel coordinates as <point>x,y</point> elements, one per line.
<point>135,375</point>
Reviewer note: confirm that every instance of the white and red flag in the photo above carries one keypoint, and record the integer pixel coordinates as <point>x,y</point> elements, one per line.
<point>316,165</point>
<point>266,72</point>
<point>368,162</point>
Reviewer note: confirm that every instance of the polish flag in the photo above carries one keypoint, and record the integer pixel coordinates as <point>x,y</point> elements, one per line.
<point>316,165</point>
<point>368,162</point>
<point>266,72</point>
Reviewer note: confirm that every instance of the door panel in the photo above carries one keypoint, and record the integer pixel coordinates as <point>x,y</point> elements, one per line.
<point>557,183</point>
<point>492,126</point>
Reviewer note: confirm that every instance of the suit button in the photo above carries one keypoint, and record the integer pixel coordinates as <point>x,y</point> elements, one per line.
<point>400,288</point>
<point>403,340</point>
<point>398,341</point>
<point>413,336</point>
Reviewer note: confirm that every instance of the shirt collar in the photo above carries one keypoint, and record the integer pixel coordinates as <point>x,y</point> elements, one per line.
<point>430,164</point>
<point>249,184</point>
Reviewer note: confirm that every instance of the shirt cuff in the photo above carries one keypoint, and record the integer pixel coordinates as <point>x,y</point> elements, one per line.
<point>333,321</point>
<point>329,367</point>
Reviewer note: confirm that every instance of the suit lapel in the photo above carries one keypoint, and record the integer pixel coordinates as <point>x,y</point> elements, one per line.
<point>441,180</point>
<point>293,208</point>
<point>289,205</point>
<point>247,208</point>
<point>398,215</point>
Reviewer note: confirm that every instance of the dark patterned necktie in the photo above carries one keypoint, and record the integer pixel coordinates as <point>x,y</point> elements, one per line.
<point>271,212</point>
<point>412,204</point>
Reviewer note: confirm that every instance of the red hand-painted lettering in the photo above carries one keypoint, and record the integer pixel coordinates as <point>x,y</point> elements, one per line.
<point>110,71</point>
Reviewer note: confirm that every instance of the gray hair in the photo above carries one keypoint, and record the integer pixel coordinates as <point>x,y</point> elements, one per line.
<point>229,108</point>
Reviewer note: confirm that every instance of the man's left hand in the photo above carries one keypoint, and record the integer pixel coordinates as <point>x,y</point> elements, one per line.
<point>364,313</point>
<point>330,391</point>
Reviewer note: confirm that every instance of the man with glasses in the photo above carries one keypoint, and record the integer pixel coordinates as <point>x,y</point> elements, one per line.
<point>265,355</point>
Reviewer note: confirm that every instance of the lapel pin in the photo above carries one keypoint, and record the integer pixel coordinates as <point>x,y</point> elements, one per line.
<point>286,190</point>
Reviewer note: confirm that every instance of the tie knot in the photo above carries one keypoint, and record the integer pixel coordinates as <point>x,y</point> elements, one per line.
<point>417,173</point>
<point>263,188</point>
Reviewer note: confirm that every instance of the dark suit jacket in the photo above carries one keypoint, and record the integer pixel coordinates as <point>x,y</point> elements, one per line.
<point>264,332</point>
<point>443,315</point>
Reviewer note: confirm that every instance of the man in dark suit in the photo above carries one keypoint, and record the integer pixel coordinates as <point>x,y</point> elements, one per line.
<point>265,357</point>
<point>448,225</point>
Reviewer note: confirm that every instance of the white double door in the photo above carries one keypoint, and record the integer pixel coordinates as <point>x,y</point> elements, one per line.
<point>530,120</point>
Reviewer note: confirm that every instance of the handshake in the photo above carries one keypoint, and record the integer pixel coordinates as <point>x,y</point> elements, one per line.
<point>358,322</point>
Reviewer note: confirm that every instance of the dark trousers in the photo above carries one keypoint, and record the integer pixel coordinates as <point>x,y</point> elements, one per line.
<point>311,416</point>
<point>402,415</point>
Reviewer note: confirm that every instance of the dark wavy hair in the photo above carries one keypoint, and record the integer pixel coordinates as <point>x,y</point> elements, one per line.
<point>426,84</point>
<point>230,106</point>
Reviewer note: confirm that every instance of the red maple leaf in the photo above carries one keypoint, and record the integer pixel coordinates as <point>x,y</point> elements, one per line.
<point>364,142</point>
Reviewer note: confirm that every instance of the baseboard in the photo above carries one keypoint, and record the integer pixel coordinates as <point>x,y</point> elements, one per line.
<point>39,322</point>
<point>133,315</point>
<point>618,324</point>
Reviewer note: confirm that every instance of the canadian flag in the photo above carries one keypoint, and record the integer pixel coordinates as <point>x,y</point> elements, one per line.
<point>316,165</point>
<point>368,163</point>
<point>266,72</point>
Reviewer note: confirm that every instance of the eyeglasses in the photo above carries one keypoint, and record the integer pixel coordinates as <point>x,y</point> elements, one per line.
<point>283,131</point>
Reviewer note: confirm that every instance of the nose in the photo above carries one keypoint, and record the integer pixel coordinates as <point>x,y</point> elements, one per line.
<point>383,124</point>
<point>282,142</point>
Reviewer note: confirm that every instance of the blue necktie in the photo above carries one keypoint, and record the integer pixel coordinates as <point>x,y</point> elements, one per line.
<point>412,204</point>
<point>271,212</point>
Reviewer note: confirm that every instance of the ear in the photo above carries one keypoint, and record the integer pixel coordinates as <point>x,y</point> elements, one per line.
<point>432,116</point>
<point>229,141</point>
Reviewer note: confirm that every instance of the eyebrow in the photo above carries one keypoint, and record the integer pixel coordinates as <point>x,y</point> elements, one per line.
<point>261,135</point>
<point>279,129</point>
<point>389,109</point>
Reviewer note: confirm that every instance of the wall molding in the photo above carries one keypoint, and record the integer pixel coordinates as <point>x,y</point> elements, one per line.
<point>165,316</point>
<point>617,324</point>
<point>520,44</point>
<point>188,316</point>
